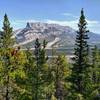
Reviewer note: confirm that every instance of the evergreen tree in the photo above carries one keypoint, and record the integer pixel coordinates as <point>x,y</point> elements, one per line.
<point>6,44</point>
<point>37,55</point>
<point>81,56</point>
<point>26,83</point>
<point>59,73</point>
<point>11,61</point>
<point>40,68</point>
<point>6,37</point>
<point>92,77</point>
<point>17,74</point>
<point>95,74</point>
<point>95,65</point>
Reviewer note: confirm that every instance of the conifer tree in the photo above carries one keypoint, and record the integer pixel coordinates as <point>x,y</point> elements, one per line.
<point>95,65</point>
<point>81,55</point>
<point>40,68</point>
<point>95,74</point>
<point>59,73</point>
<point>6,44</point>
<point>7,33</point>
<point>10,62</point>
<point>62,72</point>
<point>92,77</point>
<point>26,83</point>
<point>37,55</point>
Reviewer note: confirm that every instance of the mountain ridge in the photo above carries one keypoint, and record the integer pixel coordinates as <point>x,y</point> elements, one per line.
<point>55,34</point>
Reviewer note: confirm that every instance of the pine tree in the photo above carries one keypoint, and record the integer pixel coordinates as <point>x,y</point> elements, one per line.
<point>92,77</point>
<point>11,61</point>
<point>7,33</point>
<point>59,73</point>
<point>25,84</point>
<point>37,55</point>
<point>95,65</point>
<point>6,44</point>
<point>81,56</point>
<point>95,74</point>
<point>40,68</point>
<point>17,73</point>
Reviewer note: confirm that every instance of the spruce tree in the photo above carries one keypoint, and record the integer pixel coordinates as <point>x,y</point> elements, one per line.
<point>95,74</point>
<point>95,65</point>
<point>6,44</point>
<point>59,73</point>
<point>7,33</point>
<point>11,61</point>
<point>26,86</point>
<point>92,76</point>
<point>37,55</point>
<point>40,68</point>
<point>62,72</point>
<point>81,56</point>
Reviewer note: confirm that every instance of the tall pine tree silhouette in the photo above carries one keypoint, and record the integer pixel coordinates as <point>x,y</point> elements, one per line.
<point>40,68</point>
<point>81,55</point>
<point>7,40</point>
<point>6,43</point>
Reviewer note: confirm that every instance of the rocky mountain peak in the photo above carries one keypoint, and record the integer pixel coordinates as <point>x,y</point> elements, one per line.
<point>28,25</point>
<point>54,34</point>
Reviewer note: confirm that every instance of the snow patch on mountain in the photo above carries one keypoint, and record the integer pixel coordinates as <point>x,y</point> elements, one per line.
<point>50,44</point>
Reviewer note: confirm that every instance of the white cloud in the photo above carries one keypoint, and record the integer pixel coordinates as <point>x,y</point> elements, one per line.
<point>69,14</point>
<point>72,24</point>
<point>93,25</point>
<point>21,23</point>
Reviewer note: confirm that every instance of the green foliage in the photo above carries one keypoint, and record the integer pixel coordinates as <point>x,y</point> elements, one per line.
<point>6,39</point>
<point>59,72</point>
<point>28,75</point>
<point>39,70</point>
<point>5,59</point>
<point>80,67</point>
<point>11,63</point>
<point>95,74</point>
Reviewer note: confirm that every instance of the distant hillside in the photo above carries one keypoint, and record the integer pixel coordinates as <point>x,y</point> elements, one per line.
<point>56,35</point>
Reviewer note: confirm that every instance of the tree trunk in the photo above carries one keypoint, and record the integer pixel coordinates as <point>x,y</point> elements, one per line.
<point>7,89</point>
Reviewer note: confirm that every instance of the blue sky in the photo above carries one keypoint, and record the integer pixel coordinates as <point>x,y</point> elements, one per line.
<point>64,12</point>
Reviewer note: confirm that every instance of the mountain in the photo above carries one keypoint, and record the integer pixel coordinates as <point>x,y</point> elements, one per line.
<point>56,35</point>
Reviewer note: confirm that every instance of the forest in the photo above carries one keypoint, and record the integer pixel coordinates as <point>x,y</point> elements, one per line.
<point>31,75</point>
